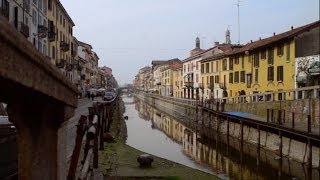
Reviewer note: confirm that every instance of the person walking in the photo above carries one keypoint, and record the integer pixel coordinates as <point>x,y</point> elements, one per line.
<point>92,96</point>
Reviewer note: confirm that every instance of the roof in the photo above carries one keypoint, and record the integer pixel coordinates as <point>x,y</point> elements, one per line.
<point>273,39</point>
<point>65,12</point>
<point>264,42</point>
<point>84,44</point>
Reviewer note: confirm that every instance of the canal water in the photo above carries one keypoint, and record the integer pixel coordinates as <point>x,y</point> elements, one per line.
<point>155,132</point>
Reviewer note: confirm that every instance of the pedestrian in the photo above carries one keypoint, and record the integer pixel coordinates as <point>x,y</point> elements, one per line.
<point>92,96</point>
<point>88,95</point>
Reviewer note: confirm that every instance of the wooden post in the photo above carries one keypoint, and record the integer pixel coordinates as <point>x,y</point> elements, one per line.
<point>279,117</point>
<point>309,123</point>
<point>280,144</point>
<point>95,153</point>
<point>76,151</point>
<point>258,149</point>
<point>309,159</point>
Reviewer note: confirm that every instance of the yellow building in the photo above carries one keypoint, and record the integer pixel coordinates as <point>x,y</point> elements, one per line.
<point>169,77</point>
<point>178,82</point>
<point>60,29</point>
<point>263,66</point>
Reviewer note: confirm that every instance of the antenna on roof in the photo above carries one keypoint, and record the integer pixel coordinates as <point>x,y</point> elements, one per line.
<point>238,6</point>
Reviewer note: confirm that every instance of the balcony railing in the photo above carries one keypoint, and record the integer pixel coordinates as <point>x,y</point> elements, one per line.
<point>69,67</point>
<point>4,12</point>
<point>24,29</point>
<point>223,86</point>
<point>188,84</point>
<point>61,64</point>
<point>42,31</point>
<point>51,35</point>
<point>64,46</point>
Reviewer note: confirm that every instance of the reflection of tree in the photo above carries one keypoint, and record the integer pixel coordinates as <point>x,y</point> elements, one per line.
<point>303,66</point>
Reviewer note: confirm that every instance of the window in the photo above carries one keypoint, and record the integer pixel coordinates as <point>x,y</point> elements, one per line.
<point>256,75</point>
<point>197,77</point>
<point>242,76</point>
<point>263,54</point>
<point>288,52</point>
<point>280,50</point>
<point>40,5</point>
<point>270,73</point>
<point>256,59</point>
<point>60,19</point>
<point>236,60</point>
<point>188,67</point>
<point>34,17</point>
<point>236,77</point>
<point>202,68</point>
<point>242,61</point>
<point>231,64</point>
<point>5,8</point>
<point>197,65</point>
<point>191,66</point>
<point>249,77</point>
<point>184,68</point>
<point>231,78</point>
<point>50,4</point>
<point>270,56</point>
<point>280,73</point>
<point>217,66</point>
<point>64,22</point>
<point>224,65</point>
<point>217,79</point>
<point>207,67</point>
<point>53,53</point>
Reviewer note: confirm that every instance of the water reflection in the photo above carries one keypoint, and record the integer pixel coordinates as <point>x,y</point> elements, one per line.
<point>219,155</point>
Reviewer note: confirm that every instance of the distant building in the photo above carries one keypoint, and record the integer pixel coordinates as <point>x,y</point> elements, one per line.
<point>107,70</point>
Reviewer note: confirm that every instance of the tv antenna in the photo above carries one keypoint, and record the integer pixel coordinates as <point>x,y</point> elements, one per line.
<point>238,6</point>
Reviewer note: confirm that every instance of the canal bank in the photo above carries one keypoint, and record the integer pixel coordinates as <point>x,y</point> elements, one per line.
<point>267,153</point>
<point>119,160</point>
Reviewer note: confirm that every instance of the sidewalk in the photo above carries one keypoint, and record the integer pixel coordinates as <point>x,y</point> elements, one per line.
<point>300,126</point>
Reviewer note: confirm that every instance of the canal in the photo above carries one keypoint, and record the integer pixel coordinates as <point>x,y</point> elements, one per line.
<point>156,132</point>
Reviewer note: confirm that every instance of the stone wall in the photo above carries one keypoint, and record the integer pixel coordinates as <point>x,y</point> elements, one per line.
<point>301,108</point>
<point>291,148</point>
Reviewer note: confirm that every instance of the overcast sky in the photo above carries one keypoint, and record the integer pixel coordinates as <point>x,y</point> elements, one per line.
<point>128,34</point>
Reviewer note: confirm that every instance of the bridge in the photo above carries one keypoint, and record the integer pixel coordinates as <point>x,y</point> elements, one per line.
<point>39,100</point>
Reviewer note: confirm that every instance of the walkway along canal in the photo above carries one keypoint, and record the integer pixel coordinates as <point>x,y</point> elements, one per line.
<point>172,134</point>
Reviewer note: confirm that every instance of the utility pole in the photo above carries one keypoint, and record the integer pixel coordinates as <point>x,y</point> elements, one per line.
<point>238,6</point>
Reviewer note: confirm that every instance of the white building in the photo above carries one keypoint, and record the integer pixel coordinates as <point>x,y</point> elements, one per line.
<point>18,14</point>
<point>39,25</point>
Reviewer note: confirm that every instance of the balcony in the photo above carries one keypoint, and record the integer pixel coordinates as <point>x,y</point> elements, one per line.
<point>210,86</point>
<point>42,31</point>
<point>201,86</point>
<point>64,46</point>
<point>223,86</point>
<point>61,64</point>
<point>188,84</point>
<point>51,35</point>
<point>5,12</point>
<point>24,29</point>
<point>69,67</point>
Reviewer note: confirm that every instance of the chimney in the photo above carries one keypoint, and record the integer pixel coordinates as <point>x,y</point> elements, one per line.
<point>251,41</point>
<point>291,27</point>
<point>274,33</point>
<point>259,38</point>
<point>216,43</point>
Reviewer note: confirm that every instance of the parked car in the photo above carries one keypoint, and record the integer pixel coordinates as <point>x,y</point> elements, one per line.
<point>108,96</point>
